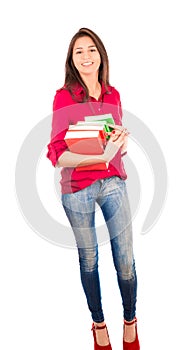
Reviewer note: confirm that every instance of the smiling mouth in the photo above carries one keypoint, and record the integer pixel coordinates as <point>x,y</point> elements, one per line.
<point>86,64</point>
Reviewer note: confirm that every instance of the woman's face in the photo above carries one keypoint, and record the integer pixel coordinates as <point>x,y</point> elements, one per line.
<point>86,57</point>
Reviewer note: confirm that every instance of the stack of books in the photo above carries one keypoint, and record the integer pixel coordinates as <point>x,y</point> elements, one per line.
<point>90,137</point>
<point>104,119</point>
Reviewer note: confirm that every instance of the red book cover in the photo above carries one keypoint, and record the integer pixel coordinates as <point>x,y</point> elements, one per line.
<point>98,166</point>
<point>85,142</point>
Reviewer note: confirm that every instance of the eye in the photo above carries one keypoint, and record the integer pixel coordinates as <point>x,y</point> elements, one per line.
<point>93,50</point>
<point>78,52</point>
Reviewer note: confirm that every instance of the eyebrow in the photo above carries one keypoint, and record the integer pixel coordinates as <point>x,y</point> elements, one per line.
<point>79,48</point>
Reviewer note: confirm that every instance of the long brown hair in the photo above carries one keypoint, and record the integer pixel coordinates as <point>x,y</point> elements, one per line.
<point>72,75</point>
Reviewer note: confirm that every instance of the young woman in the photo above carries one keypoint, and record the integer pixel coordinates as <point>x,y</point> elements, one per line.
<point>87,92</point>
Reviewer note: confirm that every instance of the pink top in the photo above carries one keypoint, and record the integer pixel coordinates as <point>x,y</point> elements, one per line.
<point>68,109</point>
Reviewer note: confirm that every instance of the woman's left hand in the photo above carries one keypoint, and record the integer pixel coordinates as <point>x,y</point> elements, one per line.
<point>118,130</point>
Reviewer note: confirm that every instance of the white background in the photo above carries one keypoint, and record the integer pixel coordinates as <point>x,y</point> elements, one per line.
<point>42,303</point>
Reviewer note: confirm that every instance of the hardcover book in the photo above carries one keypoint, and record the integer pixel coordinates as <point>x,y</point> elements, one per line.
<point>85,141</point>
<point>98,166</point>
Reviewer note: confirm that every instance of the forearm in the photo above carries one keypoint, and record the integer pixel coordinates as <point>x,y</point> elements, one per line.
<point>72,160</point>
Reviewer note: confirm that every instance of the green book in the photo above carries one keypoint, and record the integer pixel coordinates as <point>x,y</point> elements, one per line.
<point>103,118</point>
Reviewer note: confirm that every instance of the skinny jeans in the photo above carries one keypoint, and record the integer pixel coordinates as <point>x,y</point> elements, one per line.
<point>111,196</point>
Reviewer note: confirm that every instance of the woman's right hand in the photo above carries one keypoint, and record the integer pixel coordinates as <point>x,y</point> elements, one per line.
<point>117,140</point>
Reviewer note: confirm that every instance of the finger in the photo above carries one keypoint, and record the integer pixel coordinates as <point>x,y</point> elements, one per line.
<point>126,132</point>
<point>119,139</point>
<point>114,126</point>
<point>116,133</point>
<point>114,137</point>
<point>119,128</point>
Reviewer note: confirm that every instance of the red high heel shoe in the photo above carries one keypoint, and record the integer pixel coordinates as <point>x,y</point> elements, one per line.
<point>135,344</point>
<point>96,346</point>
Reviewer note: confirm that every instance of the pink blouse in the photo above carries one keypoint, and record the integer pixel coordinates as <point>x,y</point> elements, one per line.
<point>68,109</point>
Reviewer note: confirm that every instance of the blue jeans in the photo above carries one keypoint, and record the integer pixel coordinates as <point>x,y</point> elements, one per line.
<point>111,196</point>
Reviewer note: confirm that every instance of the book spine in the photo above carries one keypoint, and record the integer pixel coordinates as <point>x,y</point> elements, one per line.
<point>98,166</point>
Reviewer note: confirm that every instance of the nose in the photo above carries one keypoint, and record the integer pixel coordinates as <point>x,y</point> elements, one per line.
<point>86,55</point>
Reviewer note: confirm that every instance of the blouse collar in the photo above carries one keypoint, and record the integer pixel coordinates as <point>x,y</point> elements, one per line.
<point>78,90</point>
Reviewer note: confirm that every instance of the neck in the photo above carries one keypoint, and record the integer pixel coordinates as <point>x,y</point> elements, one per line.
<point>94,89</point>
<point>92,83</point>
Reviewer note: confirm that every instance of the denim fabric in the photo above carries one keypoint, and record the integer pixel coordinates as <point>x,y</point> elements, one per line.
<point>111,196</point>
